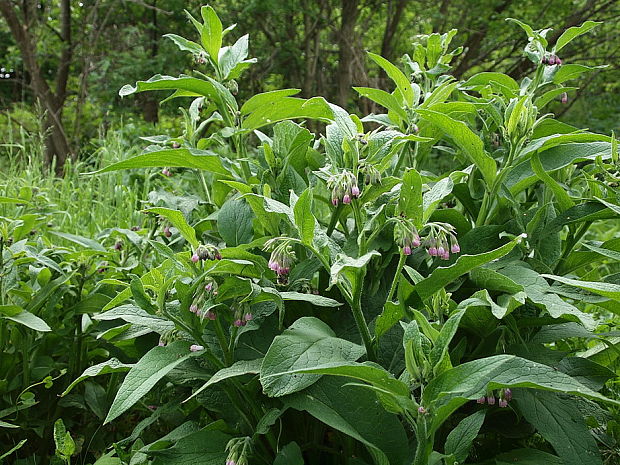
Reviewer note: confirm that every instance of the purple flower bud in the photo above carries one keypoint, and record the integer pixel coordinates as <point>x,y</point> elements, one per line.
<point>415,128</point>
<point>421,410</point>
<point>508,394</point>
<point>545,60</point>
<point>446,255</point>
<point>208,287</point>
<point>193,308</point>
<point>415,242</point>
<point>167,231</point>
<point>346,199</point>
<point>175,145</point>
<point>211,315</point>
<point>455,248</point>
<point>161,343</point>
<point>355,191</point>
<point>118,245</point>
<point>335,202</point>
<point>195,348</point>
<point>166,172</point>
<point>491,400</point>
<point>152,407</point>
<point>238,323</point>
<point>564,98</point>
<point>432,251</point>
<point>218,255</point>
<point>558,61</point>
<point>407,250</point>
<point>552,60</point>
<point>273,265</point>
<point>503,403</point>
<point>248,317</point>
<point>481,400</point>
<point>195,258</point>
<point>135,228</point>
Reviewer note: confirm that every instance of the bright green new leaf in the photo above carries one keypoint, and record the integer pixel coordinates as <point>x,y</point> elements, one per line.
<point>605,289</point>
<point>304,219</point>
<point>403,86</point>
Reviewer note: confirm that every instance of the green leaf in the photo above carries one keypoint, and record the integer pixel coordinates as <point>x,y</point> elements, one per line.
<point>527,457</point>
<point>184,44</point>
<point>442,276</point>
<point>159,82</point>
<point>234,222</point>
<point>304,219</point>
<point>442,343</point>
<point>29,320</point>
<point>573,32</point>
<point>110,366</point>
<point>461,438</point>
<point>343,265</point>
<point>173,158</point>
<point>609,290</point>
<point>239,368</point>
<point>471,380</point>
<point>471,145</point>
<point>79,240</point>
<point>152,367</point>
<point>13,449</point>
<point>410,200</point>
<point>403,86</point>
<point>205,447</point>
<point>436,194</point>
<point>562,197</point>
<point>289,455</point>
<point>480,80</point>
<point>384,99</point>
<point>259,100</point>
<point>211,35</point>
<point>288,108</point>
<point>355,412</point>
<point>65,446</point>
<point>316,300</point>
<point>177,220</point>
<point>300,346</point>
<point>561,423</point>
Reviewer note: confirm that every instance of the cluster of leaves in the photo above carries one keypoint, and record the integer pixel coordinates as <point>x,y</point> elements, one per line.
<point>337,298</point>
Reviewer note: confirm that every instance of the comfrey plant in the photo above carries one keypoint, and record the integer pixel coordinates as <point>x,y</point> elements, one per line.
<point>426,297</point>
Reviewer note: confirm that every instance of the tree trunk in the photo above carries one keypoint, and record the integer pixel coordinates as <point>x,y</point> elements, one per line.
<point>346,52</point>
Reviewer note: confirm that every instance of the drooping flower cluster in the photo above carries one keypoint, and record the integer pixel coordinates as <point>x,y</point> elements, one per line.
<point>441,241</point>
<point>344,187</point>
<point>505,396</point>
<point>206,252</point>
<point>406,235</point>
<point>371,174</point>
<point>281,259</point>
<point>551,60</point>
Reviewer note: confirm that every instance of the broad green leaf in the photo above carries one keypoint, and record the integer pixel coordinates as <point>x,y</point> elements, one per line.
<point>471,145</point>
<point>562,197</point>
<point>288,108</point>
<point>355,412</point>
<point>159,82</point>
<point>548,96</point>
<point>572,71</point>
<point>11,200</point>
<point>300,346</point>
<point>173,158</point>
<point>239,368</point>
<point>177,220</point>
<point>442,276</point>
<point>152,367</point>
<point>384,99</point>
<point>82,241</point>
<point>410,200</point>
<point>234,222</point>
<point>539,292</point>
<point>471,380</point>
<point>485,78</point>
<point>289,455</point>
<point>488,278</point>
<point>609,290</point>
<point>403,86</point>
<point>110,366</point>
<point>233,59</point>
<point>528,457</point>
<point>442,343</point>
<point>205,447</point>
<point>30,320</point>
<point>349,266</point>
<point>461,438</point>
<point>259,100</point>
<point>317,300</point>
<point>561,423</point>
<point>65,446</point>
<point>211,35</point>
<point>184,44</point>
<point>304,219</point>
<point>436,194</point>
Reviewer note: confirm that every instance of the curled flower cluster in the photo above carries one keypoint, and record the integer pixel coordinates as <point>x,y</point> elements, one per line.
<point>242,320</point>
<point>371,174</point>
<point>206,252</point>
<point>551,60</point>
<point>406,235</point>
<point>344,187</point>
<point>281,259</point>
<point>239,449</point>
<point>441,241</point>
<point>505,396</point>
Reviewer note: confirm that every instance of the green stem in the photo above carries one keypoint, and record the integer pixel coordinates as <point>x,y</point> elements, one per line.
<point>359,226</point>
<point>399,268</point>
<point>360,321</point>
<point>221,338</point>
<point>334,220</point>
<point>571,243</point>
<point>203,181</point>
